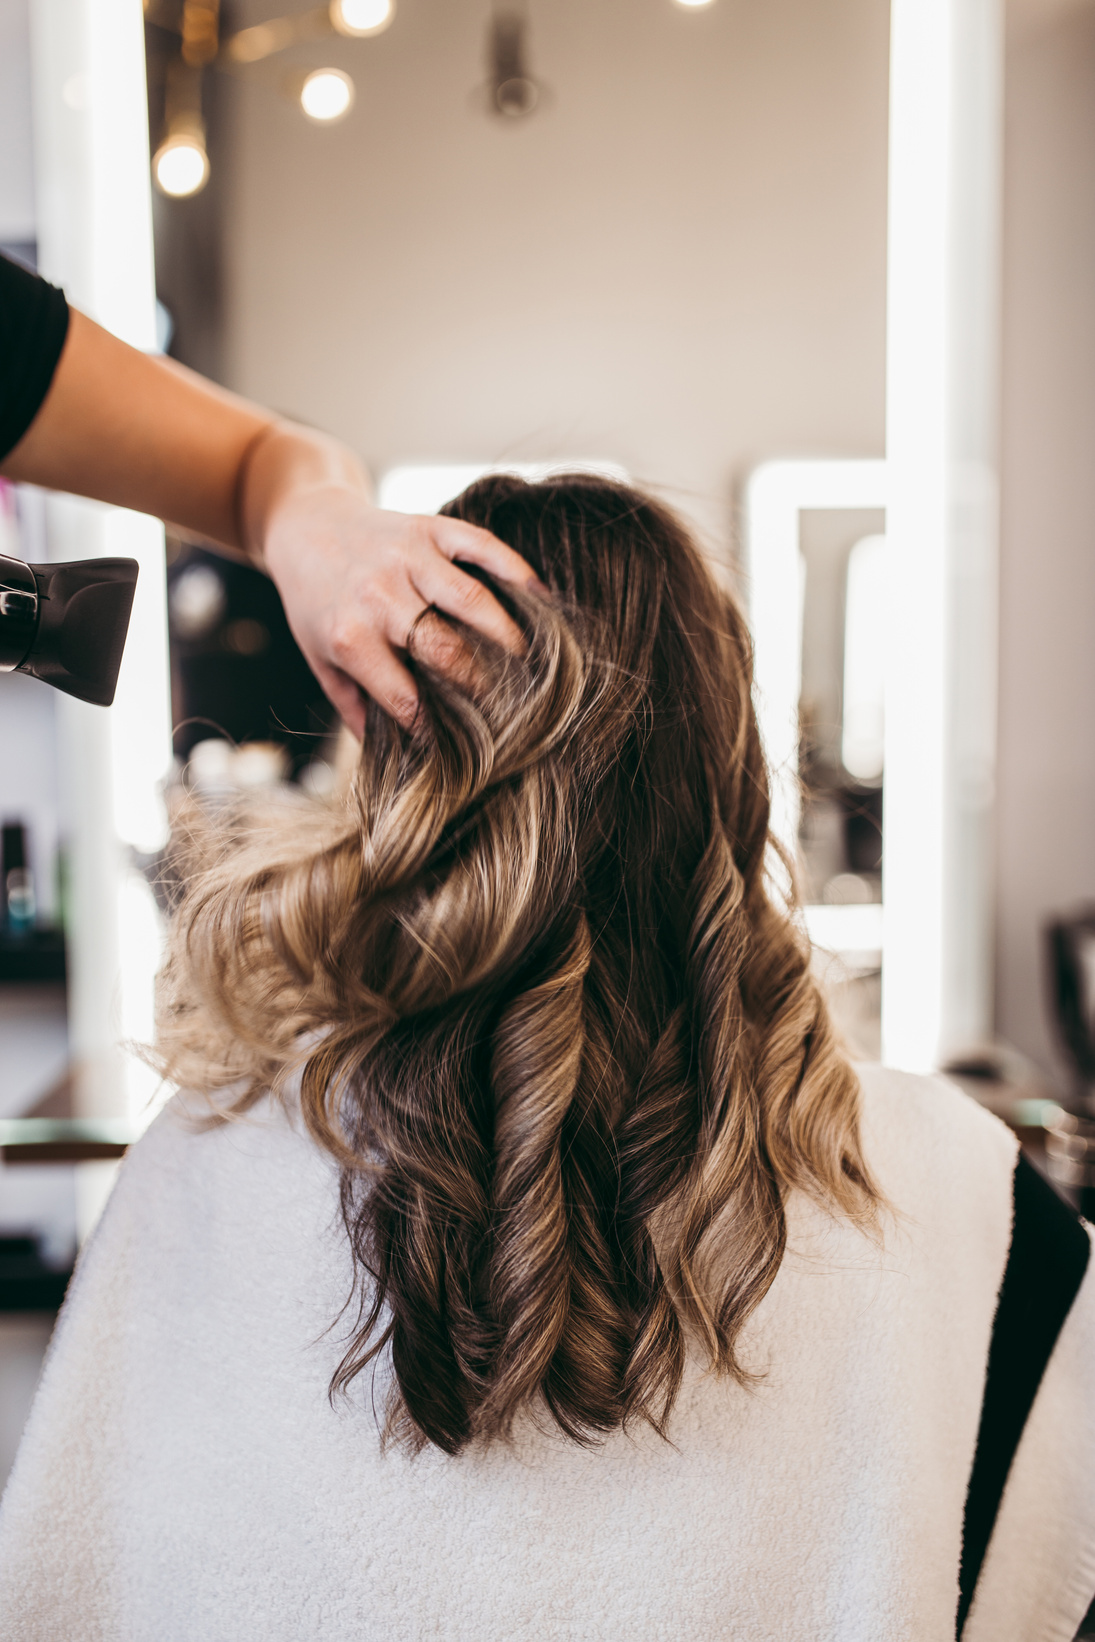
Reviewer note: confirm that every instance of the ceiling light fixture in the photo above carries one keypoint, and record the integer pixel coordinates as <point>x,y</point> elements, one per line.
<point>326,95</point>
<point>181,165</point>
<point>693,5</point>
<point>262,40</point>
<point>359,18</point>
<point>513,91</point>
<point>354,19</point>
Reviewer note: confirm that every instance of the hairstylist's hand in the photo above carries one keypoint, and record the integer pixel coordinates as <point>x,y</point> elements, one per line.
<point>148,434</point>
<point>355,580</point>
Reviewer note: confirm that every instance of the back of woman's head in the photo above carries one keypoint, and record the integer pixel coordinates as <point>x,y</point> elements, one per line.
<point>565,1048</point>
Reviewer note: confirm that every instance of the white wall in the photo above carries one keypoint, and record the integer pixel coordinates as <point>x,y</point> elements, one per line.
<point>16,159</point>
<point>1046,772</point>
<point>678,262</point>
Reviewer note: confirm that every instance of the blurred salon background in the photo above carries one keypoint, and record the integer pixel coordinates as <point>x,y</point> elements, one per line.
<point>821,272</point>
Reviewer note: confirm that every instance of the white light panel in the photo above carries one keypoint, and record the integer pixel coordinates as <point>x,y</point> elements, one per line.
<point>425,487</point>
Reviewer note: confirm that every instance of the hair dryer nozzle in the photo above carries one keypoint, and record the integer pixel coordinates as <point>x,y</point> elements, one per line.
<point>66,624</point>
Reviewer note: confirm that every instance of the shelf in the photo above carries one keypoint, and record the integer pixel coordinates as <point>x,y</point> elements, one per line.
<point>64,1140</point>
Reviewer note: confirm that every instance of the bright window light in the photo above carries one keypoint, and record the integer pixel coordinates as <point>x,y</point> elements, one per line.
<point>326,95</point>
<point>425,487</point>
<point>95,239</point>
<point>943,259</point>
<point>141,936</point>
<point>917,364</point>
<point>361,17</point>
<point>119,226</point>
<point>850,932</point>
<point>181,167</point>
<point>865,645</point>
<point>141,714</point>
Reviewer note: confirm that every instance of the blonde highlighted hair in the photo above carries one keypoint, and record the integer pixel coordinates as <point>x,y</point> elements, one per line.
<point>548,1018</point>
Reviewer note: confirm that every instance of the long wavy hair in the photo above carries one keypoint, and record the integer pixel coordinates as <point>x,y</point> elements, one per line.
<point>545,1009</point>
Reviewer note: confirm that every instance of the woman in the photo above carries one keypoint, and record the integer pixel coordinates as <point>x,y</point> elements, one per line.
<point>544,1269</point>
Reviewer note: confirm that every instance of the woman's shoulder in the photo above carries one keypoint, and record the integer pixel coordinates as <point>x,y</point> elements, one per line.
<point>204,1217</point>
<point>194,1135</point>
<point>200,1180</point>
<point>946,1169</point>
<point>927,1141</point>
<point>913,1102</point>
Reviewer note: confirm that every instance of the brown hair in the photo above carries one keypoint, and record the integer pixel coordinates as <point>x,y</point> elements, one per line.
<point>549,1019</point>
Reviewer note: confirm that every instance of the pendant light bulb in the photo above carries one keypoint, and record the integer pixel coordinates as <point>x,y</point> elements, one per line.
<point>181,166</point>
<point>358,18</point>
<point>326,95</point>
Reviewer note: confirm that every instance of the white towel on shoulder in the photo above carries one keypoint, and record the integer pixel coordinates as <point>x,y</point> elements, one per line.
<point>185,1478</point>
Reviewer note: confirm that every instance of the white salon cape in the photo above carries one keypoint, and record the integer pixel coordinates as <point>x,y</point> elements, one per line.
<point>184,1476</point>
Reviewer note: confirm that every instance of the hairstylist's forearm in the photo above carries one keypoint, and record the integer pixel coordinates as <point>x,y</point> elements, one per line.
<point>122,427</point>
<point>356,582</point>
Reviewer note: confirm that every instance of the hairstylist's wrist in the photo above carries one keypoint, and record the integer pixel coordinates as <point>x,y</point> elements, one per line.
<point>282,465</point>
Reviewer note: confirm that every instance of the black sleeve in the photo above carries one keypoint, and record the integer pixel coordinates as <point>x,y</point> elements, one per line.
<point>33,327</point>
<point>1046,1265</point>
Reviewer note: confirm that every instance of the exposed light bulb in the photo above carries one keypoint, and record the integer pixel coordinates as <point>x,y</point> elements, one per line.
<point>181,167</point>
<point>359,17</point>
<point>327,94</point>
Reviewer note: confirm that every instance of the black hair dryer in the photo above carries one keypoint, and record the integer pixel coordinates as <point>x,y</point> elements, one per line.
<point>67,623</point>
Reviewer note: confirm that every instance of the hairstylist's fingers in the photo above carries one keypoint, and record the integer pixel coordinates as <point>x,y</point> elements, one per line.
<point>344,696</point>
<point>440,646</point>
<point>361,645</point>
<point>458,540</point>
<point>383,677</point>
<point>392,687</point>
<point>450,589</point>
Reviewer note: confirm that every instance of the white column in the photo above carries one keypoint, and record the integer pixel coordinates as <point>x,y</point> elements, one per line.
<point>95,238</point>
<point>944,191</point>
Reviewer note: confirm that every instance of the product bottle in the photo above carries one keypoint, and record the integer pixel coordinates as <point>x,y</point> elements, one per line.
<point>19,908</point>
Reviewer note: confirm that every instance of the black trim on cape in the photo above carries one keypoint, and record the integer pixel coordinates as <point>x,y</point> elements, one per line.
<point>1046,1264</point>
